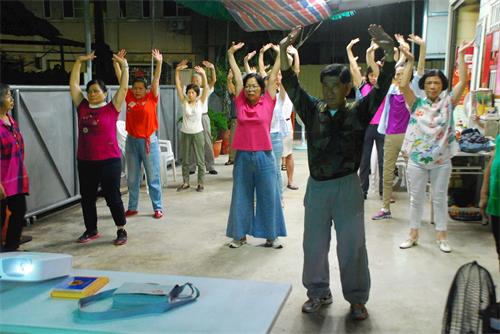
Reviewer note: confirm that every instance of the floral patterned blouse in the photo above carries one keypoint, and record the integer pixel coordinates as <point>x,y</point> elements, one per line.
<point>430,136</point>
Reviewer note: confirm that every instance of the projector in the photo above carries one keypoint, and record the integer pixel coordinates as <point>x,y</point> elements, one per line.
<point>34,266</point>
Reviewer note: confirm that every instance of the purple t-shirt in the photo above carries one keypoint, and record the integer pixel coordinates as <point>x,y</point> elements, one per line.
<point>398,115</point>
<point>364,91</point>
<point>97,132</point>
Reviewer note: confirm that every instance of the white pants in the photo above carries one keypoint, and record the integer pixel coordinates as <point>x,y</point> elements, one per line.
<point>418,177</point>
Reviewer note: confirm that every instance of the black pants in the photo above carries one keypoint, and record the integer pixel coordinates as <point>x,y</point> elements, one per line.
<point>495,228</point>
<point>17,207</point>
<point>372,135</point>
<point>107,173</point>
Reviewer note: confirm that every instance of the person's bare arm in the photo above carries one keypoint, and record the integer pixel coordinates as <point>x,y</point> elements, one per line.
<point>204,83</point>
<point>271,85</point>
<point>370,59</point>
<point>357,78</point>
<point>246,60</point>
<point>421,55</point>
<point>402,57</point>
<point>238,80</point>
<point>459,87</point>
<point>122,90</point>
<point>178,84</point>
<point>118,72</point>
<point>74,78</point>
<point>229,82</point>
<point>291,50</point>
<point>404,85</point>
<point>155,83</point>
<point>262,66</point>
<point>213,76</point>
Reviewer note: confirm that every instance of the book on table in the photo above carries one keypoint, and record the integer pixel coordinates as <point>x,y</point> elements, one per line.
<point>77,287</point>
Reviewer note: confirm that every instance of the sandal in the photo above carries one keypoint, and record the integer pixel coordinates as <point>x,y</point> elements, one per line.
<point>183,186</point>
<point>283,167</point>
<point>292,187</point>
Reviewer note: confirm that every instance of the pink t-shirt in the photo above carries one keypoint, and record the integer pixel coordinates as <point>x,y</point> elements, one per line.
<point>97,132</point>
<point>253,123</point>
<point>376,118</point>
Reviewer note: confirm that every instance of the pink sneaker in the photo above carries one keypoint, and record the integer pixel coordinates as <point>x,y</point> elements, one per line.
<point>158,214</point>
<point>382,214</point>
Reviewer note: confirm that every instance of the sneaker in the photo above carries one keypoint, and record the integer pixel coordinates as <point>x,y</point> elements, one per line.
<point>86,237</point>
<point>393,200</point>
<point>359,312</point>
<point>200,188</point>
<point>191,172</point>
<point>314,304</point>
<point>237,243</point>
<point>182,187</point>
<point>213,172</point>
<point>444,246</point>
<point>382,214</point>
<point>229,162</point>
<point>121,237</point>
<point>276,243</point>
<point>158,214</point>
<point>408,243</point>
<point>129,213</point>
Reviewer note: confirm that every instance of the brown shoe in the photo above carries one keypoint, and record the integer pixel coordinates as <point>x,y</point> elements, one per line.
<point>359,312</point>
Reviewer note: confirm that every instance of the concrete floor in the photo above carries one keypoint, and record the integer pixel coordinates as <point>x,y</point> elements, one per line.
<point>409,287</point>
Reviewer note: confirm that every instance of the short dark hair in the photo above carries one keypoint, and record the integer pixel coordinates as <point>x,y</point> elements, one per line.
<point>433,73</point>
<point>193,87</point>
<point>101,84</point>
<point>4,89</point>
<point>141,80</point>
<point>336,70</point>
<point>259,79</point>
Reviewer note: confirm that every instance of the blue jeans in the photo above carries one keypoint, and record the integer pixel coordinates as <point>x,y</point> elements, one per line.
<point>135,152</point>
<point>254,173</point>
<point>277,142</point>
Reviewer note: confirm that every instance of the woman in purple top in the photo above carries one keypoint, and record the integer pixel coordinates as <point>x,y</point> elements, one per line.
<point>14,184</point>
<point>364,86</point>
<point>99,157</point>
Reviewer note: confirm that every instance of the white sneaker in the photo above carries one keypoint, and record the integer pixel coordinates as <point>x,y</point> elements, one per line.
<point>237,243</point>
<point>443,245</point>
<point>408,243</point>
<point>276,243</point>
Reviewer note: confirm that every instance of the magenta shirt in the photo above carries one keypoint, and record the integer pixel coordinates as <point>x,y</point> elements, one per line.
<point>398,115</point>
<point>364,91</point>
<point>97,132</point>
<point>253,123</point>
<point>13,176</point>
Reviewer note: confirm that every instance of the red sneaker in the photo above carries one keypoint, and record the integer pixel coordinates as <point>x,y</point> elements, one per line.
<point>129,213</point>
<point>158,214</point>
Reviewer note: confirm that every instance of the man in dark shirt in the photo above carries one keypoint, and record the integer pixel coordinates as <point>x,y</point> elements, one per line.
<point>335,132</point>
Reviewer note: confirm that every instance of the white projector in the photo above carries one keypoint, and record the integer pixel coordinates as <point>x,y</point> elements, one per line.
<point>34,266</point>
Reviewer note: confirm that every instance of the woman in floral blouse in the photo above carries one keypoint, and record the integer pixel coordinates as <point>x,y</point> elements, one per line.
<point>430,144</point>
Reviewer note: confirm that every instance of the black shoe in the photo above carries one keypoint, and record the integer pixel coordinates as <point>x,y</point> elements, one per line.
<point>213,172</point>
<point>121,237</point>
<point>365,196</point>
<point>314,304</point>
<point>191,172</point>
<point>200,188</point>
<point>86,237</point>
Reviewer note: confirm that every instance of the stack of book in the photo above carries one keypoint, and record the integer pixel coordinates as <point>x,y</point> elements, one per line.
<point>76,287</point>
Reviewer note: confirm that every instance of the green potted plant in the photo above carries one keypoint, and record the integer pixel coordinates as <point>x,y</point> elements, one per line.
<point>218,124</point>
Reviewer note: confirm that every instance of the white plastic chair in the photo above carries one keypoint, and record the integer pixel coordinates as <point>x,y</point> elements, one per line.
<point>166,157</point>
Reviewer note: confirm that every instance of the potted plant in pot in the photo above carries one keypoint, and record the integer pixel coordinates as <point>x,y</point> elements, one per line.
<point>218,124</point>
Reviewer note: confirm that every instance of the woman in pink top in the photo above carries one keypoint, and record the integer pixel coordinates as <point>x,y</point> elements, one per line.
<point>99,157</point>
<point>254,168</point>
<point>13,178</point>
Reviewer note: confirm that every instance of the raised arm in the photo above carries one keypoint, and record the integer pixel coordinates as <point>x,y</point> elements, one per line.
<point>402,43</point>
<point>246,59</point>
<point>118,72</point>
<point>122,90</point>
<point>462,73</point>
<point>74,78</point>
<point>291,50</point>
<point>404,85</point>
<point>234,67</point>
<point>421,55</point>
<point>262,66</point>
<point>229,82</point>
<point>213,76</point>
<point>178,84</point>
<point>155,83</point>
<point>204,83</point>
<point>271,84</point>
<point>357,78</point>
<point>370,59</point>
